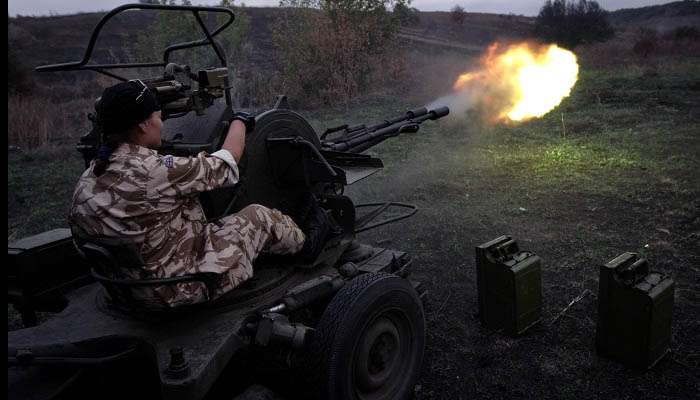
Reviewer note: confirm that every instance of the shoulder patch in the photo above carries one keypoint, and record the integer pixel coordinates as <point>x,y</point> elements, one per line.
<point>168,161</point>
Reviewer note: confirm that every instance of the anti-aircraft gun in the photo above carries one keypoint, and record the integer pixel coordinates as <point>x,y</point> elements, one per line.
<point>349,324</point>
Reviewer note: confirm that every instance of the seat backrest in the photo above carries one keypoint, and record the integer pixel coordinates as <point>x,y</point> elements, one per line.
<point>110,259</point>
<point>113,258</point>
<point>110,255</point>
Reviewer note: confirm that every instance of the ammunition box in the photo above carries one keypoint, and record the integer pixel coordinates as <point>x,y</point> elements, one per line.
<point>509,285</point>
<point>635,307</point>
<point>41,269</point>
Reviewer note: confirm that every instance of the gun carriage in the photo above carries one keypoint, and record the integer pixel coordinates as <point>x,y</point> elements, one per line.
<point>350,323</point>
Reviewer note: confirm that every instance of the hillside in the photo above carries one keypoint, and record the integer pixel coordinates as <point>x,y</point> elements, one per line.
<point>477,31</point>
<point>661,18</point>
<point>55,39</point>
<point>41,40</point>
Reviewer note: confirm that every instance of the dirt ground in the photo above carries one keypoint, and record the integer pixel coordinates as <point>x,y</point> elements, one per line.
<point>613,169</point>
<point>573,233</point>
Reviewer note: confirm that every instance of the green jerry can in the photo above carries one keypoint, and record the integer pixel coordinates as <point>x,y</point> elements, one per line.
<point>634,312</point>
<point>509,283</point>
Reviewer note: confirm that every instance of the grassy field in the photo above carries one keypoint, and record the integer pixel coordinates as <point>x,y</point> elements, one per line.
<point>615,168</point>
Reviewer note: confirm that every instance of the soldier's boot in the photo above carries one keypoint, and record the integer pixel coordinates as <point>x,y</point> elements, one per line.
<point>317,226</point>
<point>306,204</point>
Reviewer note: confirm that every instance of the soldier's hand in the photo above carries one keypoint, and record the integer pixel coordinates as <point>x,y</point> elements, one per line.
<point>247,119</point>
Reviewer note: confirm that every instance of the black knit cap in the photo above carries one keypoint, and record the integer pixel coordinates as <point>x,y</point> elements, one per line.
<point>124,106</point>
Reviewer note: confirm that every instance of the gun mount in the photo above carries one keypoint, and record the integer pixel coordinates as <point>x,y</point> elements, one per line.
<point>94,344</point>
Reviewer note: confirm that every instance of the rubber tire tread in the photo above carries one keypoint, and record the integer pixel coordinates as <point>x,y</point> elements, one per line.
<point>319,366</point>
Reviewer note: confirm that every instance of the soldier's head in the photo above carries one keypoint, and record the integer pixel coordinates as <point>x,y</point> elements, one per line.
<point>128,112</point>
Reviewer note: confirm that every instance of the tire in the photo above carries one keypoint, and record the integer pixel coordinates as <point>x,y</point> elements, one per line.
<point>370,340</point>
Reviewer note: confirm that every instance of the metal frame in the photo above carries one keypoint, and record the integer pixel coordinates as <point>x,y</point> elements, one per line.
<point>100,68</point>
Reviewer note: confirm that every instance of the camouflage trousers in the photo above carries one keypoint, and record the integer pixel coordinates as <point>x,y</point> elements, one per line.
<point>231,245</point>
<point>235,241</point>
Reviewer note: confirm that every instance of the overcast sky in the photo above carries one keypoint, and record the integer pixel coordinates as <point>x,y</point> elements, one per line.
<point>526,7</point>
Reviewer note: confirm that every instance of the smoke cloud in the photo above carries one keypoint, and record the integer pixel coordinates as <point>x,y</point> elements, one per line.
<point>458,102</point>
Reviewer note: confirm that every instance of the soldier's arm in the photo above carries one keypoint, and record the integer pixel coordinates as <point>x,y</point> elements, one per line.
<point>235,139</point>
<point>172,176</point>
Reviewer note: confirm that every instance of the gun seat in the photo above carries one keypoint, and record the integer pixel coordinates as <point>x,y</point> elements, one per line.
<point>108,256</point>
<point>111,259</point>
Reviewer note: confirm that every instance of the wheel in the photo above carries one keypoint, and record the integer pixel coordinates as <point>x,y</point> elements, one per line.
<point>369,342</point>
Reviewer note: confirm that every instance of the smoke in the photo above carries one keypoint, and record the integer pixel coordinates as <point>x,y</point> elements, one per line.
<point>479,99</point>
<point>459,102</point>
<point>479,93</point>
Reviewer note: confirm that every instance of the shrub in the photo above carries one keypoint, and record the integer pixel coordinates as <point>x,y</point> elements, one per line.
<point>406,15</point>
<point>685,32</point>
<point>458,15</point>
<point>34,120</point>
<point>645,43</point>
<point>572,23</point>
<point>18,77</point>
<point>332,51</point>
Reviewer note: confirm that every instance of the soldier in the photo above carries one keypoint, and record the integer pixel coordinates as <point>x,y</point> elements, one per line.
<point>149,201</point>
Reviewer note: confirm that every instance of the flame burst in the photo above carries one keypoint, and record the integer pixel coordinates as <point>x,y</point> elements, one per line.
<point>521,81</point>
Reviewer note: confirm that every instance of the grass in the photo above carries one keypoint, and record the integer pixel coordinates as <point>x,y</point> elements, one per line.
<point>36,120</point>
<point>604,143</point>
<point>40,185</point>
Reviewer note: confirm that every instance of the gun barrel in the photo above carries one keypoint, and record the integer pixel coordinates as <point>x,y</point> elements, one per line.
<point>364,139</point>
<point>417,112</point>
<point>439,112</point>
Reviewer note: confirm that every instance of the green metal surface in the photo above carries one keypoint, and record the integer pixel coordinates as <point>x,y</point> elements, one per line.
<point>635,308</point>
<point>509,286</point>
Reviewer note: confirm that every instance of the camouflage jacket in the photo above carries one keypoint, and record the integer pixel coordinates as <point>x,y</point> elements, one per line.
<point>151,201</point>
